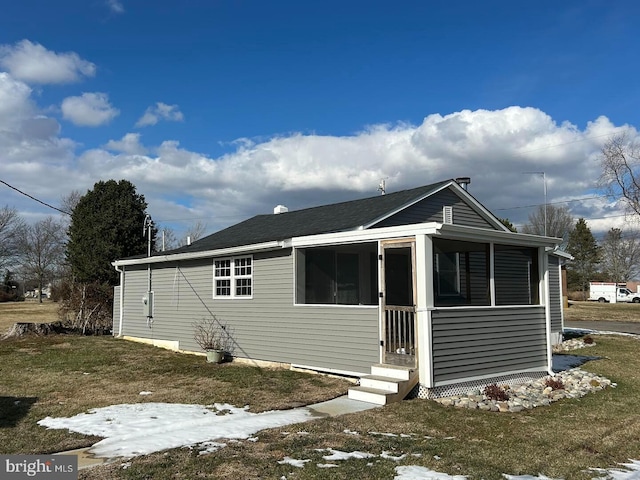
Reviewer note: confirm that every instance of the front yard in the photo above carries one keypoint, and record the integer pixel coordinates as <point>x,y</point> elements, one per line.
<point>61,376</point>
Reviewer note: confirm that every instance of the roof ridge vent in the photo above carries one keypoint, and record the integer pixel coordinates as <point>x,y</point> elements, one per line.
<point>280,209</point>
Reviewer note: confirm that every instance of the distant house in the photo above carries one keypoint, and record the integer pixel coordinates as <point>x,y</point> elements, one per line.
<point>426,283</point>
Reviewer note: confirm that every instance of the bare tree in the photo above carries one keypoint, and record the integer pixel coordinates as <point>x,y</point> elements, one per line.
<point>41,249</point>
<point>68,202</point>
<point>10,223</point>
<point>196,231</point>
<point>559,222</point>
<point>620,255</point>
<point>170,240</point>
<point>620,161</point>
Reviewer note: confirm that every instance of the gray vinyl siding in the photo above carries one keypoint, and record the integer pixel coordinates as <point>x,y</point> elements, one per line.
<point>430,210</point>
<point>555,294</point>
<point>469,343</point>
<point>267,327</point>
<point>116,311</point>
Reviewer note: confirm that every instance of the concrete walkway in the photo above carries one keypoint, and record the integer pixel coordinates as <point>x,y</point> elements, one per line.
<point>331,408</point>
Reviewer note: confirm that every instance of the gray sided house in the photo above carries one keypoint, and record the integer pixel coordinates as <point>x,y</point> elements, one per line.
<point>425,281</point>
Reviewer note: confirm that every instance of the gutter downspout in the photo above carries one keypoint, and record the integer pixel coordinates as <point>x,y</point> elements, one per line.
<point>121,305</point>
<point>547,310</point>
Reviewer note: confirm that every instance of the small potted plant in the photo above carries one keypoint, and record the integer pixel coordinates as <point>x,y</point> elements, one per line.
<point>213,337</point>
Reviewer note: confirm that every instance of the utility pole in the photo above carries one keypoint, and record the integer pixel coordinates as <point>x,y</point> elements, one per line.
<point>148,299</point>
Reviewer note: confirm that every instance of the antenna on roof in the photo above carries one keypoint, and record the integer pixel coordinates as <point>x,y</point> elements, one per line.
<point>382,187</point>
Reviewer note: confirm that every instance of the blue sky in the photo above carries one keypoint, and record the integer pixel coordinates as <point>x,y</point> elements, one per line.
<point>250,104</point>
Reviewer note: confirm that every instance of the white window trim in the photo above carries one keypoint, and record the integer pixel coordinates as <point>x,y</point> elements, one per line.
<point>232,277</point>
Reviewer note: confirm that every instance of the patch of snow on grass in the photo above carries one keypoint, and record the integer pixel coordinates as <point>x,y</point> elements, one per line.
<point>293,462</point>
<point>414,472</point>
<point>139,429</point>
<point>210,447</point>
<point>339,455</point>
<point>388,456</point>
<point>632,472</point>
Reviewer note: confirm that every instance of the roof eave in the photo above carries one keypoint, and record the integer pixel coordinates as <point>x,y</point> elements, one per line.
<point>220,252</point>
<point>463,232</point>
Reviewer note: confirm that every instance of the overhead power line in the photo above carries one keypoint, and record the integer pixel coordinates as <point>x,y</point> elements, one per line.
<point>33,198</point>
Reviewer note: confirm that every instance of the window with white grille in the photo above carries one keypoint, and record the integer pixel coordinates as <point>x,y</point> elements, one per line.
<point>233,277</point>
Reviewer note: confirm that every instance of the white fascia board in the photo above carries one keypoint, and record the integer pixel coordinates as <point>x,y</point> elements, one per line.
<point>406,205</point>
<point>560,253</point>
<point>455,232</point>
<point>359,236</point>
<point>222,252</point>
<point>462,232</point>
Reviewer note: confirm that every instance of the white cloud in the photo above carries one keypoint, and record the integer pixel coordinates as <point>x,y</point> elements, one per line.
<point>129,144</point>
<point>34,157</point>
<point>160,111</point>
<point>494,148</point>
<point>33,63</point>
<point>15,102</point>
<point>115,6</point>
<point>89,109</point>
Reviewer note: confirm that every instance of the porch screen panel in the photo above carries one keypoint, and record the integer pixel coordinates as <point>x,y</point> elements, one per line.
<point>345,275</point>
<point>347,272</point>
<point>516,275</point>
<point>461,273</point>
<point>320,268</point>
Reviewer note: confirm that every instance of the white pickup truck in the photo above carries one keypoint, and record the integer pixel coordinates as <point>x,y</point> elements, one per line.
<point>611,293</point>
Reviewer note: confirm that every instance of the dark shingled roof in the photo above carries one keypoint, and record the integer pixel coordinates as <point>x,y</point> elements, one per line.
<point>337,217</point>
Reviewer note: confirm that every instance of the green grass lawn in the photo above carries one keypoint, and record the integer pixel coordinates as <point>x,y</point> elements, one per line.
<point>65,375</point>
<point>613,312</point>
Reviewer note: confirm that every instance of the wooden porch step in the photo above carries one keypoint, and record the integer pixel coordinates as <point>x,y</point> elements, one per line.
<point>386,384</point>
<point>370,395</point>
<point>401,373</point>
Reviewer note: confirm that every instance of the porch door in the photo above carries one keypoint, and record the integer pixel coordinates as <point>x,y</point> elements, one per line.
<point>398,303</point>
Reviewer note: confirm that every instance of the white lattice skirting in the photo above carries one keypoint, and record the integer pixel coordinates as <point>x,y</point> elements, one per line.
<point>421,391</point>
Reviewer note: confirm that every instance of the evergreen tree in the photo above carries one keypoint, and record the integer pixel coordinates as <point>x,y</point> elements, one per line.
<point>507,223</point>
<point>106,224</point>
<point>586,256</point>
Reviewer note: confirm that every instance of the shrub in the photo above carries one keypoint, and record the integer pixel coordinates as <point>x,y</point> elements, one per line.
<point>588,340</point>
<point>8,297</point>
<point>494,392</point>
<point>554,383</point>
<point>211,334</point>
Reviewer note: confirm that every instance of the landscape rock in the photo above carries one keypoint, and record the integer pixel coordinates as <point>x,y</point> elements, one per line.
<point>576,382</point>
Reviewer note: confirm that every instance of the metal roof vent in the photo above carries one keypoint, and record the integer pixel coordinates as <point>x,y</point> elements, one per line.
<point>463,182</point>
<point>280,209</point>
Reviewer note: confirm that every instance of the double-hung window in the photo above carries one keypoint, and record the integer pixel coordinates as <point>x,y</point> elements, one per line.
<point>233,277</point>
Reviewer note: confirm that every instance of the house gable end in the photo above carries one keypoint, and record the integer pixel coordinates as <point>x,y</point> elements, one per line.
<point>430,209</point>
